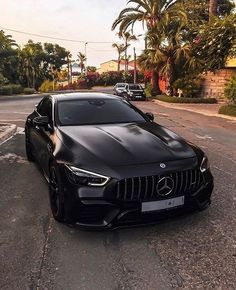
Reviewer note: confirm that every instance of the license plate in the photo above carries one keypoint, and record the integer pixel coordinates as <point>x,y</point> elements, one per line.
<point>162,204</point>
<point>138,97</point>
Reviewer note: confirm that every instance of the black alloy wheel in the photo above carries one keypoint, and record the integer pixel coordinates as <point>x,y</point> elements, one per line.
<point>56,194</point>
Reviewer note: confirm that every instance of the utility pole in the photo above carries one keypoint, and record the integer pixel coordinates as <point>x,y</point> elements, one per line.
<point>85,52</point>
<point>135,67</point>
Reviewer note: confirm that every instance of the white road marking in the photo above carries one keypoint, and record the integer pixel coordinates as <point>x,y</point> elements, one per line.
<point>12,158</point>
<point>205,137</point>
<point>223,170</point>
<point>14,120</point>
<point>20,131</point>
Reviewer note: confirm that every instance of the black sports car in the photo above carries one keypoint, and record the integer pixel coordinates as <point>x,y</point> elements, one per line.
<point>134,92</point>
<point>108,164</point>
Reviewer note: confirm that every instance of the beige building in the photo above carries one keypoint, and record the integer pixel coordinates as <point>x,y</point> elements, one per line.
<point>112,65</point>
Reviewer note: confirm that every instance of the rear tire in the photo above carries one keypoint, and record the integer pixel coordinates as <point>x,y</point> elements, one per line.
<point>56,194</point>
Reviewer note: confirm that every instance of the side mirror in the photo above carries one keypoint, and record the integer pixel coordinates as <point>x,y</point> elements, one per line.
<point>41,121</point>
<point>150,116</point>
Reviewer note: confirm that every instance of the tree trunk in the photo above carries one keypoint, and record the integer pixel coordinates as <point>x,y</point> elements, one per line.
<point>126,49</point>
<point>119,63</point>
<point>155,83</point>
<point>213,5</point>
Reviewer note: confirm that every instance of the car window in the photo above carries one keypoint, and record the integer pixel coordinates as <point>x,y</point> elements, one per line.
<point>97,111</point>
<point>45,108</point>
<point>135,87</point>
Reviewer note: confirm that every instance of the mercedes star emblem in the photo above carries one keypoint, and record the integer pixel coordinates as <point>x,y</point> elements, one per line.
<point>162,165</point>
<point>165,186</point>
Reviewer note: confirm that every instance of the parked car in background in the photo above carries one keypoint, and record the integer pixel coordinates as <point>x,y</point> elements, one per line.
<point>134,92</point>
<point>119,89</point>
<point>109,164</point>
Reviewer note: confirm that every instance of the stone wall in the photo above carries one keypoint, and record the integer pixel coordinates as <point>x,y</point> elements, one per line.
<point>214,83</point>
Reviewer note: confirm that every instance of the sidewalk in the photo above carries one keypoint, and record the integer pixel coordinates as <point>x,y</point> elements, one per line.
<point>204,109</point>
<point>6,131</point>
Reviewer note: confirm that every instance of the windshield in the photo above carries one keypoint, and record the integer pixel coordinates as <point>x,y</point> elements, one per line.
<point>120,85</point>
<point>100,111</point>
<point>135,87</point>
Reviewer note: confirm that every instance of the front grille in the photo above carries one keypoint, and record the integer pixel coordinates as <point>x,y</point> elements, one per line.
<point>144,188</point>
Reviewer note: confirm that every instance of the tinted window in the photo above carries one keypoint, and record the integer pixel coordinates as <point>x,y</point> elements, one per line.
<point>120,85</point>
<point>135,87</point>
<point>45,108</point>
<point>82,112</point>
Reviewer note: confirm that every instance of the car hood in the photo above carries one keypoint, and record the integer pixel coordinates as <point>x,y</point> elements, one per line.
<point>123,144</point>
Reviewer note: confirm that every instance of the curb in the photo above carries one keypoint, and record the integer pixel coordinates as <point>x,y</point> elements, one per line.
<point>167,105</point>
<point>8,133</point>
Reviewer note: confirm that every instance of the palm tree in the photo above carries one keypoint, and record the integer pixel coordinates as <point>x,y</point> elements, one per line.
<point>150,12</point>
<point>127,37</point>
<point>82,59</point>
<point>213,5</point>
<point>120,48</point>
<point>170,50</point>
<point>153,14</point>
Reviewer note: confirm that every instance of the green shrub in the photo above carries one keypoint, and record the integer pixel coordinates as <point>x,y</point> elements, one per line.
<point>47,86</point>
<point>17,89</point>
<point>169,99</point>
<point>190,87</point>
<point>28,91</point>
<point>229,110</point>
<point>6,90</point>
<point>230,90</point>
<point>148,90</point>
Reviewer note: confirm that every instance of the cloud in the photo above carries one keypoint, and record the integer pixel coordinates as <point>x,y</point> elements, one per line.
<point>64,8</point>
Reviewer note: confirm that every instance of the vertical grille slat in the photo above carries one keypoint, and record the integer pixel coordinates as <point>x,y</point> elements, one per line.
<point>153,186</point>
<point>140,187</point>
<point>132,191</point>
<point>144,188</point>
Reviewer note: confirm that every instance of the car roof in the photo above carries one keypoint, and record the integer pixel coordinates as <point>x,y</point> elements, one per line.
<point>84,96</point>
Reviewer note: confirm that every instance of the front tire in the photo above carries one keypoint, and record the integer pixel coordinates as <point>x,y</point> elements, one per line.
<point>56,194</point>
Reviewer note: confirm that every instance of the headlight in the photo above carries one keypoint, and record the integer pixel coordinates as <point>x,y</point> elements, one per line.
<point>205,164</point>
<point>130,93</point>
<point>84,177</point>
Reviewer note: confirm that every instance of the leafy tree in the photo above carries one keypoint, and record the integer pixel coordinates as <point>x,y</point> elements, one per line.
<point>230,89</point>
<point>8,57</point>
<point>153,14</point>
<point>215,43</point>
<point>91,69</point>
<point>120,48</point>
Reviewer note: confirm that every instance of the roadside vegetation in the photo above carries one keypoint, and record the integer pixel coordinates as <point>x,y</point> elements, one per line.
<point>184,100</point>
<point>230,94</point>
<point>183,40</point>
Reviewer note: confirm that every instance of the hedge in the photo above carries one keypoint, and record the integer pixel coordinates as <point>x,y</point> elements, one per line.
<point>28,91</point>
<point>169,99</point>
<point>229,110</point>
<point>11,89</point>
<point>6,90</point>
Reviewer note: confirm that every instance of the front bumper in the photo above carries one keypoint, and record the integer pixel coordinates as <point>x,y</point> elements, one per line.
<point>93,207</point>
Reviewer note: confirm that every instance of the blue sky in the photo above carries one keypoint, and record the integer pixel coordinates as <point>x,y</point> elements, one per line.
<point>87,20</point>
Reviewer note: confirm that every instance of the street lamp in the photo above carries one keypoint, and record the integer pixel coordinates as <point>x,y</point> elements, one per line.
<point>85,52</point>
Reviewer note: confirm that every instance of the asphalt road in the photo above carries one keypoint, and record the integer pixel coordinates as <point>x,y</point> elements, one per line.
<point>196,251</point>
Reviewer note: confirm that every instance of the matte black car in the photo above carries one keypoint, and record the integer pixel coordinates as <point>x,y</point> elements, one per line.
<point>134,92</point>
<point>119,89</point>
<point>108,164</point>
